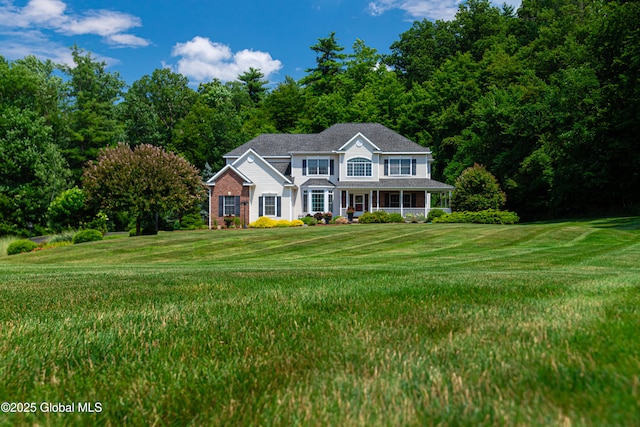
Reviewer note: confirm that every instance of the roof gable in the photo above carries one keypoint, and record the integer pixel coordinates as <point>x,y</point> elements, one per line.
<point>227,168</point>
<point>359,138</point>
<point>251,156</point>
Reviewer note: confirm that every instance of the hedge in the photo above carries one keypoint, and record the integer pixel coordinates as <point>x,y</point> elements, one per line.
<point>489,216</point>
<point>266,222</point>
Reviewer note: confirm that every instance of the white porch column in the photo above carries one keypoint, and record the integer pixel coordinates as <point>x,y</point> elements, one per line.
<point>370,201</point>
<point>427,203</point>
<point>210,213</point>
<point>377,200</point>
<point>402,203</point>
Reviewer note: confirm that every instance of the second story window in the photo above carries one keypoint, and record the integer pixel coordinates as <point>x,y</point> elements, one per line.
<point>317,167</point>
<point>359,167</point>
<point>399,167</point>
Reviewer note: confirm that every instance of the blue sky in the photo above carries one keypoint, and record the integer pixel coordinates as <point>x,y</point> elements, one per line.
<point>206,39</point>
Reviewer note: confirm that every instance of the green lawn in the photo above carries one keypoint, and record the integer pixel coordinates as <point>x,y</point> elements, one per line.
<point>390,324</point>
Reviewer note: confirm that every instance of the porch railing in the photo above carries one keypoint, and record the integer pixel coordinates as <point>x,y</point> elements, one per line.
<point>402,211</point>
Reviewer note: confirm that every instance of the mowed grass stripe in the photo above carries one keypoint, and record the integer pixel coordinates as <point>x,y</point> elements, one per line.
<point>451,324</point>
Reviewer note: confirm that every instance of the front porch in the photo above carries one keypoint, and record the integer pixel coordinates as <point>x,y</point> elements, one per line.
<point>404,202</point>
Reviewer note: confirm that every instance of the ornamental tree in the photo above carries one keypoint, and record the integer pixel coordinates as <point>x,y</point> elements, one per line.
<point>476,190</point>
<point>142,181</point>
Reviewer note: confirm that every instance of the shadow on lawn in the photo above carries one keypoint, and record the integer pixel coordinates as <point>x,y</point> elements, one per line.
<point>627,223</point>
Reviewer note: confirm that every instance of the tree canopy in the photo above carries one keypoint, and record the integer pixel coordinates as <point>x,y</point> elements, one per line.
<point>546,97</point>
<point>141,181</point>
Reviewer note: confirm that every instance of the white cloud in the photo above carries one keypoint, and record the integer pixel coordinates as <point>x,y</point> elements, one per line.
<point>52,15</point>
<point>44,11</point>
<point>19,44</point>
<point>100,22</point>
<point>430,9</point>
<point>126,40</point>
<point>203,60</point>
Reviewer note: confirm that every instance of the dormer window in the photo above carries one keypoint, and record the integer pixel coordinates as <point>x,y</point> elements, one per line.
<point>359,167</point>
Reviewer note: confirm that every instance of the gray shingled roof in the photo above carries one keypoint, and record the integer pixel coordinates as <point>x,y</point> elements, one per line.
<point>415,183</point>
<point>329,140</point>
<point>283,166</point>
<point>318,182</point>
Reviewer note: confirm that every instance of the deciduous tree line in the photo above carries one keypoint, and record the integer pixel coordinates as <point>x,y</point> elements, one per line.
<point>545,97</point>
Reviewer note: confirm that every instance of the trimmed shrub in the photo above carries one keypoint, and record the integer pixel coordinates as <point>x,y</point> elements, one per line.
<point>395,217</point>
<point>88,235</point>
<point>488,216</point>
<point>266,222</point>
<point>309,220</point>
<point>263,222</point>
<point>435,213</point>
<point>21,246</point>
<point>477,190</point>
<point>374,217</point>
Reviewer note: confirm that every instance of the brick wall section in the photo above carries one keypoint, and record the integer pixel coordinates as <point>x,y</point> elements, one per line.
<point>229,184</point>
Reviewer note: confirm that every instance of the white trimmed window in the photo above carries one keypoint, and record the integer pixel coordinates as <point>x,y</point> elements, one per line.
<point>399,166</point>
<point>229,206</point>
<point>318,167</point>
<point>359,167</point>
<point>317,201</point>
<point>270,205</point>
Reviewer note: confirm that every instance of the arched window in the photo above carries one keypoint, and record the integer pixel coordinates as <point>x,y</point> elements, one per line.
<point>359,167</point>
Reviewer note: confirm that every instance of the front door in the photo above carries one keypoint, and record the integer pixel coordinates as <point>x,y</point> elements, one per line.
<point>359,203</point>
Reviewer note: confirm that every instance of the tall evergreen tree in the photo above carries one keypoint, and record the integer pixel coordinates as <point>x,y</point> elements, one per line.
<point>329,64</point>
<point>91,108</point>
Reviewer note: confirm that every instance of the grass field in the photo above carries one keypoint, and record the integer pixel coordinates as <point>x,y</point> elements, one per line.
<point>390,324</point>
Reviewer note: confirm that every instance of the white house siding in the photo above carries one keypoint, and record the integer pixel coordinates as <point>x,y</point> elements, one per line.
<point>366,151</point>
<point>296,167</point>
<point>267,182</point>
<point>422,166</point>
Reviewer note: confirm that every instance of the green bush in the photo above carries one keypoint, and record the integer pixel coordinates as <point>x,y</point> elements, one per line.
<point>191,221</point>
<point>488,216</point>
<point>477,190</point>
<point>20,246</point>
<point>374,217</point>
<point>309,220</point>
<point>435,213</point>
<point>88,235</point>
<point>395,217</point>
<point>99,222</point>
<point>67,209</point>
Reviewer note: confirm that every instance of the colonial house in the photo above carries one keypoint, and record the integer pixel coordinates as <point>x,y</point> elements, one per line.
<point>365,166</point>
